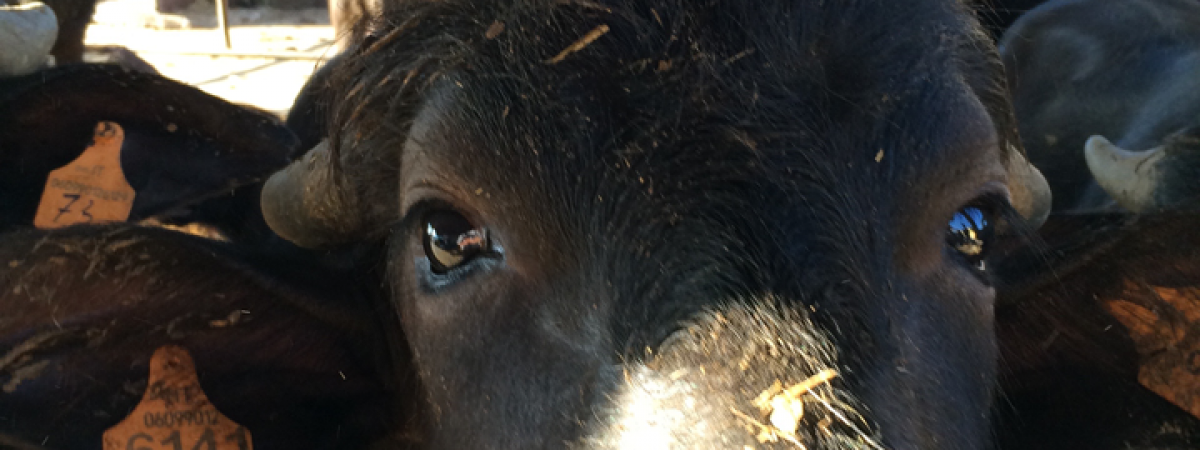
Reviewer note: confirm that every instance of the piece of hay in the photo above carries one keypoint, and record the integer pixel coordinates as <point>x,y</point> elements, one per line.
<point>578,45</point>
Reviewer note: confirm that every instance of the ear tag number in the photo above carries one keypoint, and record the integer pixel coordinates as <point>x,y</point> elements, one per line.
<point>92,188</point>
<point>174,413</point>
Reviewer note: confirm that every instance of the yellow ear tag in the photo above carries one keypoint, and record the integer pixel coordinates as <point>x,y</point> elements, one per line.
<point>92,188</point>
<point>174,413</point>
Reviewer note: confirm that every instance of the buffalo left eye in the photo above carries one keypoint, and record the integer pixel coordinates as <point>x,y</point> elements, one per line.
<point>451,241</point>
<point>970,234</point>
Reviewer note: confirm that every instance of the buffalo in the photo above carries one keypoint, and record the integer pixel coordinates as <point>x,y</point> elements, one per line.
<point>1082,73</point>
<point>1107,101</point>
<point>615,224</point>
<point>295,361</point>
<point>190,156</point>
<point>298,364</point>
<point>1073,363</point>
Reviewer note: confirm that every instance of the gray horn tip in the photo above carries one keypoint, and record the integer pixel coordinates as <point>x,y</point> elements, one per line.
<point>305,204</point>
<point>27,33</point>
<point>1030,192</point>
<point>1131,178</point>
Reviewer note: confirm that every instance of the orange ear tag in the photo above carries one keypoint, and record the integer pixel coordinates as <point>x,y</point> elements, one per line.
<point>92,188</point>
<point>1169,350</point>
<point>174,413</point>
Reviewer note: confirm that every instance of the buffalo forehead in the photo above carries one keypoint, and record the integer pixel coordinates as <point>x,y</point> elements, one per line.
<point>952,135</point>
<point>497,145</point>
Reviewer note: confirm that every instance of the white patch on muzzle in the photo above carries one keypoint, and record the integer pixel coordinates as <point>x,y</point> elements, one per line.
<point>738,378</point>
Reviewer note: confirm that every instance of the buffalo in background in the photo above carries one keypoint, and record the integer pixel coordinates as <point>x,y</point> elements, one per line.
<point>1119,298</point>
<point>288,344</point>
<point>1108,101</point>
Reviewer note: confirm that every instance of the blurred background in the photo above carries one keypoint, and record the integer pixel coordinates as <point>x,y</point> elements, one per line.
<point>275,45</point>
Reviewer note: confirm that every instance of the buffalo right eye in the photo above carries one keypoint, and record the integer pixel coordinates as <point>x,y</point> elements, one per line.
<point>452,241</point>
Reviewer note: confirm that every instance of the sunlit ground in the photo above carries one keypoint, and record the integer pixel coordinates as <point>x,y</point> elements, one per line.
<point>188,48</point>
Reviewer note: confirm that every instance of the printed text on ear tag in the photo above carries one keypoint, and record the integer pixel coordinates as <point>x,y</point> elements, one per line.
<point>92,188</point>
<point>174,413</point>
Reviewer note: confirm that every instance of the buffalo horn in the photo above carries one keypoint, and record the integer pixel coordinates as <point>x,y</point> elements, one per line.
<point>1029,190</point>
<point>27,32</point>
<point>1131,178</point>
<point>309,203</point>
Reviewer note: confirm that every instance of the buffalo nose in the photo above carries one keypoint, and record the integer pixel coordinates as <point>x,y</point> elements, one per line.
<point>741,377</point>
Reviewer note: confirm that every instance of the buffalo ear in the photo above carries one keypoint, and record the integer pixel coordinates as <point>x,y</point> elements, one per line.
<point>182,146</point>
<point>1099,307</point>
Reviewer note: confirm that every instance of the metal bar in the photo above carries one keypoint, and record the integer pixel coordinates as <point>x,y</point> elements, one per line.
<point>233,54</point>
<point>223,21</point>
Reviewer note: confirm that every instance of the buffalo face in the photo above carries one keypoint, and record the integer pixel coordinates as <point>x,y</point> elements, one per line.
<point>669,225</point>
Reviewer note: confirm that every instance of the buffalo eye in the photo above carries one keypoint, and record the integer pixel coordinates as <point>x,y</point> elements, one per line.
<point>970,234</point>
<point>451,241</point>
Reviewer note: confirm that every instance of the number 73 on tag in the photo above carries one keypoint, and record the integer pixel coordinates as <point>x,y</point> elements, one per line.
<point>90,189</point>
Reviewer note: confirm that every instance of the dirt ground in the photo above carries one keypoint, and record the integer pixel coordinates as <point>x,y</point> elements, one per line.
<point>273,52</point>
